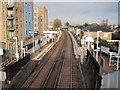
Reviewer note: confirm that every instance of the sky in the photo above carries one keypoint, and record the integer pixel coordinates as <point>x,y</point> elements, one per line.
<point>78,12</point>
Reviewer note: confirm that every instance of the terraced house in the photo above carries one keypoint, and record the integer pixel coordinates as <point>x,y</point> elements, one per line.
<point>15,21</point>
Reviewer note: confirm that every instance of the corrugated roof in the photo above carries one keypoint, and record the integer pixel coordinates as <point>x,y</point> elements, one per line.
<point>95,28</point>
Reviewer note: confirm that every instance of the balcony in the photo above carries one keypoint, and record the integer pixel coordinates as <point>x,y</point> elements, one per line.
<point>10,5</point>
<point>10,17</point>
<point>10,27</point>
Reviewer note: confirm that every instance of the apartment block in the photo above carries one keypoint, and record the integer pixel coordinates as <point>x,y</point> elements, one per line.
<point>16,20</point>
<point>42,19</point>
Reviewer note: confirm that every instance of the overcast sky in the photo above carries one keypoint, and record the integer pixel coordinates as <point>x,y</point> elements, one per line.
<point>81,12</point>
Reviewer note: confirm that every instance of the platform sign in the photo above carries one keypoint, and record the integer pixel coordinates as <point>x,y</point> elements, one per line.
<point>77,56</point>
<point>105,49</point>
<point>97,50</point>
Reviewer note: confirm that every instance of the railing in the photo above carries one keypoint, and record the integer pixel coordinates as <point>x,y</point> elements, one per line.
<point>7,61</point>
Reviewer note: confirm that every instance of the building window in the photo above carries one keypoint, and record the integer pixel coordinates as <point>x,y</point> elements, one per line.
<point>40,20</point>
<point>40,15</point>
<point>17,26</point>
<point>105,35</point>
<point>3,12</point>
<point>11,47</point>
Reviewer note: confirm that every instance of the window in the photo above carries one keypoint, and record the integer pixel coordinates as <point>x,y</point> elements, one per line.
<point>105,35</point>
<point>10,35</point>
<point>3,12</point>
<point>41,20</point>
<point>40,15</point>
<point>11,47</point>
<point>17,26</point>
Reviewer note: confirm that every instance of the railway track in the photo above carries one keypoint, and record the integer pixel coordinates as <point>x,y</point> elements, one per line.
<point>65,80</point>
<point>55,69</point>
<point>41,67</point>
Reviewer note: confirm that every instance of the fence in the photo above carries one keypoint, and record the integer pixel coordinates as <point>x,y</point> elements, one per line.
<point>95,68</point>
<point>13,68</point>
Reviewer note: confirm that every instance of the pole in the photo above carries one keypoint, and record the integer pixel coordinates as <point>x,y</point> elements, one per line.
<point>17,54</point>
<point>118,55</point>
<point>24,52</point>
<point>17,48</point>
<point>97,47</point>
<point>110,59</point>
<point>33,43</point>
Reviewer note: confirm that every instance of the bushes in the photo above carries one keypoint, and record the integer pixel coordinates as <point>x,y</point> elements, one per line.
<point>116,36</point>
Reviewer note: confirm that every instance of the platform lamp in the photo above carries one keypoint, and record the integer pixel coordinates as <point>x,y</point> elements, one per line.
<point>97,44</point>
<point>16,54</point>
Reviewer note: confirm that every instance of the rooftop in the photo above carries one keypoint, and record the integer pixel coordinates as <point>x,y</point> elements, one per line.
<point>95,28</point>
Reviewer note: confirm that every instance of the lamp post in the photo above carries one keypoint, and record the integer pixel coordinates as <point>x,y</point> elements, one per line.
<point>33,36</point>
<point>16,54</point>
<point>118,55</point>
<point>33,42</point>
<point>97,44</point>
<point>88,41</point>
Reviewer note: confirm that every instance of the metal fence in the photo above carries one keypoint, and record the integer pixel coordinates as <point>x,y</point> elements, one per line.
<point>95,68</point>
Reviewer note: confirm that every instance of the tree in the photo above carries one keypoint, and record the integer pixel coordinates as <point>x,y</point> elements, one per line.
<point>85,24</point>
<point>57,23</point>
<point>67,24</point>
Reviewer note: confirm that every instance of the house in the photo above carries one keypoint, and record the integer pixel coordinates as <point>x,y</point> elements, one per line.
<point>97,30</point>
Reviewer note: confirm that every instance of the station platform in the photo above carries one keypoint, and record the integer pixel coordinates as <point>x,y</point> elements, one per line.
<point>46,49</point>
<point>76,47</point>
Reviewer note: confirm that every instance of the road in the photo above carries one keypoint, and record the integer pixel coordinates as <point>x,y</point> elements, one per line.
<point>58,69</point>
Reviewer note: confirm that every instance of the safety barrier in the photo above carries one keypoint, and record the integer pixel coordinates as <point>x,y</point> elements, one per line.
<point>95,67</point>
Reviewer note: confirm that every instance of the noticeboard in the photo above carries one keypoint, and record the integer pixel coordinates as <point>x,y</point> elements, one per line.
<point>105,49</point>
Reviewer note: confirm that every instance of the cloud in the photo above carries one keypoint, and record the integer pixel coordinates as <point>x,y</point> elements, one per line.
<point>80,12</point>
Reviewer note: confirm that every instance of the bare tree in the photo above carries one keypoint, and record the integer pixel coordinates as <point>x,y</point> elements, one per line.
<point>104,23</point>
<point>57,23</point>
<point>67,24</point>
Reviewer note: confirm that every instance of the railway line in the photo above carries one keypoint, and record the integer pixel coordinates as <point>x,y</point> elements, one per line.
<point>55,70</point>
